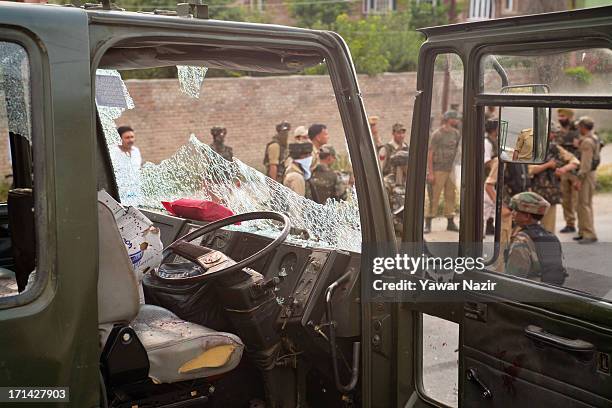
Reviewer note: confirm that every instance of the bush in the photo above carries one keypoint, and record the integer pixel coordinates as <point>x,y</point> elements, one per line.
<point>316,12</point>
<point>604,178</point>
<point>4,189</point>
<point>579,74</point>
<point>605,135</point>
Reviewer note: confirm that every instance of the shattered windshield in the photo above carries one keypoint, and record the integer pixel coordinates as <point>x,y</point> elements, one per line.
<point>176,163</point>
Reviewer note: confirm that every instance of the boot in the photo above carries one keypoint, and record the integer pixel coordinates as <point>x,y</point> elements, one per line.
<point>427,228</point>
<point>451,225</point>
<point>490,229</point>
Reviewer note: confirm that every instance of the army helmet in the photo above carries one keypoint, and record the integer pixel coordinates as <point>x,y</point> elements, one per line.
<point>529,202</point>
<point>218,130</point>
<point>283,126</point>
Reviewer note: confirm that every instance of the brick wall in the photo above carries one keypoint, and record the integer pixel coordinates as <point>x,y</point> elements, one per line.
<point>251,107</point>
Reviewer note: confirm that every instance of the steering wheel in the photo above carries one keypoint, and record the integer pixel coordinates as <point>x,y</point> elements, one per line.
<point>212,263</point>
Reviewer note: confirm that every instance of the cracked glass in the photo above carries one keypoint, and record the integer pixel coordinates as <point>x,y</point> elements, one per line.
<point>14,88</point>
<point>196,170</point>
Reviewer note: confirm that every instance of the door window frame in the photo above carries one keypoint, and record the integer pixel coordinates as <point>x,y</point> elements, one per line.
<point>42,182</point>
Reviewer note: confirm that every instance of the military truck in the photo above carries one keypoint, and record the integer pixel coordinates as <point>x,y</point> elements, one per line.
<point>267,307</point>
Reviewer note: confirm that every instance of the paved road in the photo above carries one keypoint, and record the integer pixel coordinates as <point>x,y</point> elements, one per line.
<point>589,270</point>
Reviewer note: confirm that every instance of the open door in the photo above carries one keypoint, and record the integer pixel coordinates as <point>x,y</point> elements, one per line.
<point>520,340</point>
<point>48,276</point>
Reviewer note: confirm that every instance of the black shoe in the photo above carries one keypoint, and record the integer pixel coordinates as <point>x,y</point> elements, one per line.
<point>451,225</point>
<point>427,228</point>
<point>490,228</point>
<point>578,238</point>
<point>587,241</point>
<point>568,228</point>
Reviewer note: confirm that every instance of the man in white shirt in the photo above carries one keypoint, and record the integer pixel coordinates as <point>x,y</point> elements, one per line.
<point>127,160</point>
<point>127,148</point>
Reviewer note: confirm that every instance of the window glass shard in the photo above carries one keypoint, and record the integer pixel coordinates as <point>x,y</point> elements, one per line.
<point>15,88</point>
<point>191,79</point>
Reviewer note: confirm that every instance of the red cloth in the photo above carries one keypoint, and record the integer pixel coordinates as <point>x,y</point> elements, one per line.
<point>200,210</point>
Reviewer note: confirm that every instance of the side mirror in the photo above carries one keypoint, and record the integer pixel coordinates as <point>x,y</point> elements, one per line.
<point>523,131</point>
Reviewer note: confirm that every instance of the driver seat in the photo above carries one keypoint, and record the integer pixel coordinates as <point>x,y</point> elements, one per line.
<point>177,350</point>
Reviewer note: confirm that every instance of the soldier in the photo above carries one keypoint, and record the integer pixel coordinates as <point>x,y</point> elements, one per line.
<point>319,136</point>
<point>490,144</point>
<point>298,168</point>
<point>588,148</point>
<point>326,183</point>
<point>444,144</point>
<point>218,145</point>
<point>300,134</point>
<point>515,180</point>
<point>395,184</point>
<point>388,149</point>
<point>534,253</point>
<point>276,152</point>
<point>524,146</point>
<point>373,121</point>
<point>566,137</point>
<point>546,178</point>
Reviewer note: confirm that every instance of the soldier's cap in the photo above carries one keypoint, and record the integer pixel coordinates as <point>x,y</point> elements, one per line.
<point>372,120</point>
<point>587,122</point>
<point>284,125</point>
<point>491,124</point>
<point>398,127</point>
<point>566,111</point>
<point>452,114</point>
<point>326,150</point>
<point>300,131</point>
<point>297,150</point>
<point>529,202</point>
<point>217,130</point>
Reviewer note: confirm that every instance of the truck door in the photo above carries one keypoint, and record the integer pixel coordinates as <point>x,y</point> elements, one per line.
<point>525,342</point>
<point>48,333</point>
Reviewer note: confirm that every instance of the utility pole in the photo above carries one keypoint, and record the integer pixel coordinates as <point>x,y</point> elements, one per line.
<point>452,16</point>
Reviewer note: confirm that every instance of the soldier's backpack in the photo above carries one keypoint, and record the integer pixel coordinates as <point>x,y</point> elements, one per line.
<point>597,156</point>
<point>550,255</point>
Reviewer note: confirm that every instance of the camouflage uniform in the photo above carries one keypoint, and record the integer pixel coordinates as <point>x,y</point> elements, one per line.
<point>276,151</point>
<point>326,183</point>
<point>388,149</point>
<point>548,185</point>
<point>395,184</point>
<point>218,133</point>
<point>534,253</point>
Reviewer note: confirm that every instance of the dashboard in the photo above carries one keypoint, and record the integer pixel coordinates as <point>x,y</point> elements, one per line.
<point>304,272</point>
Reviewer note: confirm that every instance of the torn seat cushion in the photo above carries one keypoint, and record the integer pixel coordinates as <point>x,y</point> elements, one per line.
<point>180,350</point>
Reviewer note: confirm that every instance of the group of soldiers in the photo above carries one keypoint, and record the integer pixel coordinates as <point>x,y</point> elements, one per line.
<point>443,148</point>
<point>530,192</point>
<point>305,164</point>
<point>530,195</point>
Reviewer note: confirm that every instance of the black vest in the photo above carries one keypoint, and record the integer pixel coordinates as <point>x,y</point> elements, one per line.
<point>550,256</point>
<point>280,172</point>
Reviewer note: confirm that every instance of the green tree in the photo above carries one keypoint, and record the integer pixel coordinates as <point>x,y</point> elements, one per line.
<point>426,15</point>
<point>316,12</point>
<point>366,40</point>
